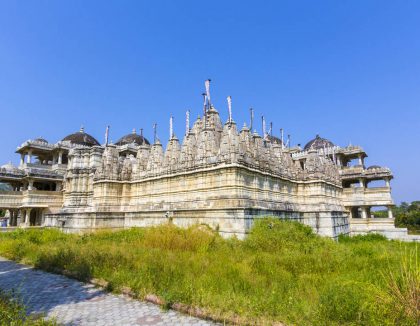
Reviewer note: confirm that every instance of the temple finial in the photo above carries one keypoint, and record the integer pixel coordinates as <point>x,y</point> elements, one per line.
<point>154,132</point>
<point>204,108</point>
<point>187,122</point>
<point>251,123</point>
<point>282,137</point>
<point>106,136</point>
<point>171,127</point>
<point>82,128</point>
<point>207,84</point>
<point>141,132</point>
<point>229,100</point>
<point>263,126</point>
<point>134,131</point>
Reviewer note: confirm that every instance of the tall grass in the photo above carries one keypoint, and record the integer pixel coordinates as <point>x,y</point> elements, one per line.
<point>281,273</point>
<point>13,312</point>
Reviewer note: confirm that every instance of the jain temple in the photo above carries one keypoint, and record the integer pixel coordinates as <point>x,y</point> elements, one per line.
<point>221,174</point>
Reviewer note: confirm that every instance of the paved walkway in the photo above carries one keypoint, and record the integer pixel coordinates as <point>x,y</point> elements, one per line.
<point>75,303</point>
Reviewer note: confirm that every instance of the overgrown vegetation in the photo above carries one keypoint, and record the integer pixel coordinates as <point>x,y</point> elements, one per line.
<point>406,215</point>
<point>281,273</point>
<point>13,312</point>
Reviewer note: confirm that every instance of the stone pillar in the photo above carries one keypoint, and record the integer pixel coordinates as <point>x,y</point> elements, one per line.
<point>29,157</point>
<point>364,212</point>
<point>339,161</point>
<point>361,183</point>
<point>360,157</point>
<point>22,159</point>
<point>390,214</point>
<point>387,182</point>
<point>351,212</point>
<point>27,214</point>
<point>60,157</point>
<point>15,216</point>
<point>58,186</point>
<point>30,185</point>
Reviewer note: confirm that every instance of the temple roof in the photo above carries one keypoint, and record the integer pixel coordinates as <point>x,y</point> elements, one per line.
<point>318,143</point>
<point>132,138</point>
<point>81,138</point>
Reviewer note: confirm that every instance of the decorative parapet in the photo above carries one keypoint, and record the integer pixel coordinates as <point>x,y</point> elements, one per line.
<point>11,173</point>
<point>369,173</point>
<point>358,196</point>
<point>66,144</point>
<point>322,151</point>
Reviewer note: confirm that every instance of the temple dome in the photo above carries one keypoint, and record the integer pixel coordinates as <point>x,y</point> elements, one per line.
<point>8,166</point>
<point>318,143</point>
<point>274,140</point>
<point>132,138</point>
<point>81,138</point>
<point>41,140</point>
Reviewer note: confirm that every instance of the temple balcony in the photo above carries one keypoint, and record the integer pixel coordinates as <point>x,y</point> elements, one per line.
<point>30,198</point>
<point>11,199</point>
<point>357,172</point>
<point>359,196</point>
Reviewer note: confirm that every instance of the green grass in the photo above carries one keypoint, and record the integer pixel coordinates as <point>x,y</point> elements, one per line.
<point>13,312</point>
<point>281,273</point>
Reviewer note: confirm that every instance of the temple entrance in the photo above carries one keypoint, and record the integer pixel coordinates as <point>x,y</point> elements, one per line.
<point>35,218</point>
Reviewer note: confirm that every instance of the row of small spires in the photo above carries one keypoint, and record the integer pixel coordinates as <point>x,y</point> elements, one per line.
<point>206,107</point>
<point>172,134</point>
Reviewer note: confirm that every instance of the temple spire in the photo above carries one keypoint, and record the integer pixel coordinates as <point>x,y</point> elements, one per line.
<point>271,130</point>
<point>229,100</point>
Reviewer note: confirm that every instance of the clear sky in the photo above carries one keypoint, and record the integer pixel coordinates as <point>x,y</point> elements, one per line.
<point>347,70</point>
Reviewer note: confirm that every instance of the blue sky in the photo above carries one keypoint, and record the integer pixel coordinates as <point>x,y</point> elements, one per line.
<point>347,70</point>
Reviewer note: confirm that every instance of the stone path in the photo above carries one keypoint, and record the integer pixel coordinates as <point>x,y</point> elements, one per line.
<point>75,303</point>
